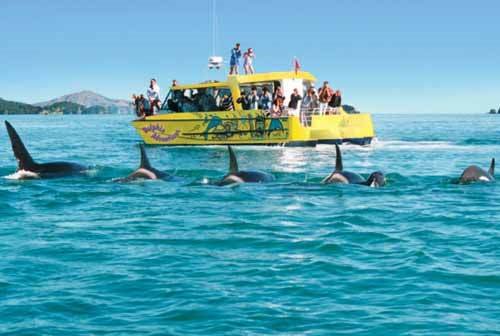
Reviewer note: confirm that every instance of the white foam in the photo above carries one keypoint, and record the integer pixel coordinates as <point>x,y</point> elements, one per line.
<point>414,145</point>
<point>22,175</point>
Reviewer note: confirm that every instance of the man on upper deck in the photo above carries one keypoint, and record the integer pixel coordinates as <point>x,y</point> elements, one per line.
<point>235,59</point>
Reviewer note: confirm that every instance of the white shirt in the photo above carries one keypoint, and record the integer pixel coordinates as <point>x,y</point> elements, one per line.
<point>154,93</point>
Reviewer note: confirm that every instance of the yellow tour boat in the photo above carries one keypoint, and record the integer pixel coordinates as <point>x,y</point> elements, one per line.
<point>210,113</point>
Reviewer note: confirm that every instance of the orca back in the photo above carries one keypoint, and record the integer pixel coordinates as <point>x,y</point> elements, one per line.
<point>475,174</point>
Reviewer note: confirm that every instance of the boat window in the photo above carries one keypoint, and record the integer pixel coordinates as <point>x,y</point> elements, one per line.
<point>205,100</point>
<point>198,100</point>
<point>179,101</point>
<point>246,95</point>
<point>223,99</point>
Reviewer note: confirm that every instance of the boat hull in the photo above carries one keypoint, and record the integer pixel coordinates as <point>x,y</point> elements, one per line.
<point>253,128</point>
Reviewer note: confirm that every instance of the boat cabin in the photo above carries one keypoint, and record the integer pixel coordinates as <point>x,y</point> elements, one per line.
<point>212,96</point>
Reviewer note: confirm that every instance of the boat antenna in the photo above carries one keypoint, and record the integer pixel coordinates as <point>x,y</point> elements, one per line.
<point>214,61</point>
<point>214,26</point>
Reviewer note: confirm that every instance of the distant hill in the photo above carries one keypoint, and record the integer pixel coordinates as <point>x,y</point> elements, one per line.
<point>65,108</point>
<point>85,102</point>
<point>11,107</point>
<point>89,99</point>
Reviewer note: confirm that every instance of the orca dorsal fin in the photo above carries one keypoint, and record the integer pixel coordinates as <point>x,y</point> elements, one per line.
<point>233,164</point>
<point>338,159</point>
<point>24,159</point>
<point>491,171</point>
<point>144,158</point>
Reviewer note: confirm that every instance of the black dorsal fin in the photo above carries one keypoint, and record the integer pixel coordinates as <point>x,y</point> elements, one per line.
<point>144,158</point>
<point>24,159</point>
<point>233,164</point>
<point>338,160</point>
<point>491,171</point>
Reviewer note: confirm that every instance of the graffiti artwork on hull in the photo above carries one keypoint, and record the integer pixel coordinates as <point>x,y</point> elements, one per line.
<point>217,127</point>
<point>158,133</point>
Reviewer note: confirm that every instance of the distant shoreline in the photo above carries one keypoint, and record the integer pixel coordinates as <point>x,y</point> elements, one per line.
<point>83,102</point>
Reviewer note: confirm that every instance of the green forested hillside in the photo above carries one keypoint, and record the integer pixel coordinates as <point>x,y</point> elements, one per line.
<point>11,107</point>
<point>64,107</point>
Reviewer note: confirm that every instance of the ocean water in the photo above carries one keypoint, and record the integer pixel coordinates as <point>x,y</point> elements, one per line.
<point>87,256</point>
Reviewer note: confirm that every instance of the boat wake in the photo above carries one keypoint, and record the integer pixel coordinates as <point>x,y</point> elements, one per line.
<point>414,145</point>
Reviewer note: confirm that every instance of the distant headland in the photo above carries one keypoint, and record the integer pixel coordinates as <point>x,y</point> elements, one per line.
<point>84,102</point>
<point>493,111</point>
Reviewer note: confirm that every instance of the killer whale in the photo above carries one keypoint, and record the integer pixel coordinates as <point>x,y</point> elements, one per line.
<point>339,175</point>
<point>145,170</point>
<point>476,174</point>
<point>236,176</point>
<point>29,168</point>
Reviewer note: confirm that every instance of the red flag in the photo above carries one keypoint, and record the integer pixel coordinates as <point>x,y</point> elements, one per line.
<point>296,65</point>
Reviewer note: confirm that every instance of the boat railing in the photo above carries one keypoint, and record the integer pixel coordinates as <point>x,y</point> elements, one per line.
<point>306,114</point>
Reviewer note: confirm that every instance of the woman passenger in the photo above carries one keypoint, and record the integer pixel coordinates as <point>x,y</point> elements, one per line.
<point>277,108</point>
<point>278,93</point>
<point>248,61</point>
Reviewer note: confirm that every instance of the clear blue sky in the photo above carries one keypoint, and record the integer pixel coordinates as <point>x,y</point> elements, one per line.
<point>387,56</point>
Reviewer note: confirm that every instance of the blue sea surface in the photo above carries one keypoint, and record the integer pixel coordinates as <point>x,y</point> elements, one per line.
<point>87,256</point>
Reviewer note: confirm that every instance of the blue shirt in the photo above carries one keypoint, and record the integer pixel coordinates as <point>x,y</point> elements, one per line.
<point>235,56</point>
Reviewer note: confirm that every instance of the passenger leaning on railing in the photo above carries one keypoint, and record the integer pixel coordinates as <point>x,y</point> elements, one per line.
<point>310,101</point>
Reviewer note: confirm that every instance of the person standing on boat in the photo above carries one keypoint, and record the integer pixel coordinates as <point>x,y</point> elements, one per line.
<point>278,93</point>
<point>154,96</point>
<point>244,100</point>
<point>277,108</point>
<point>227,103</point>
<point>336,101</point>
<point>309,104</point>
<point>265,99</point>
<point>325,95</point>
<point>235,59</point>
<point>253,99</point>
<point>248,61</point>
<point>310,100</point>
<point>293,105</point>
